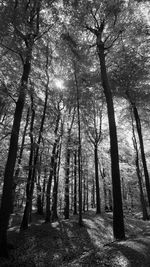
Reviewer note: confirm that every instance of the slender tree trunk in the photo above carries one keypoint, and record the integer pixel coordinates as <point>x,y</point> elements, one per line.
<point>84,192</point>
<point>43,190</point>
<point>56,183</point>
<point>93,194</point>
<point>55,187</point>
<point>103,175</point>
<point>39,189</point>
<point>55,198</point>
<point>79,151</point>
<point>20,156</point>
<point>142,198</point>
<point>72,188</point>
<point>28,206</point>
<point>49,184</point>
<point>7,197</point>
<point>139,131</point>
<point>75,183</point>
<point>98,201</point>
<point>110,199</point>
<point>118,222</point>
<point>87,192</point>
<point>29,186</point>
<point>67,172</point>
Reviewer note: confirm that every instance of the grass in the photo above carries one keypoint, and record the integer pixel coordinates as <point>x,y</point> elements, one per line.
<point>65,243</point>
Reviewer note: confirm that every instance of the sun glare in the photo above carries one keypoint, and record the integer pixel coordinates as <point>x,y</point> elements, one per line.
<point>59,83</point>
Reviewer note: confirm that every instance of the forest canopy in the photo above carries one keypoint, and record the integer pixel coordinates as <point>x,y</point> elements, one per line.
<point>74,110</point>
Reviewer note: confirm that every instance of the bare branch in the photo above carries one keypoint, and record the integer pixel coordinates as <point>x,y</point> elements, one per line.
<point>94,16</point>
<point>12,50</point>
<point>43,33</point>
<point>12,98</point>
<point>5,136</point>
<point>117,37</point>
<point>91,29</point>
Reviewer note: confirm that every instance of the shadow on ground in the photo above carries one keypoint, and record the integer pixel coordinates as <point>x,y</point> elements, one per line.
<point>65,243</point>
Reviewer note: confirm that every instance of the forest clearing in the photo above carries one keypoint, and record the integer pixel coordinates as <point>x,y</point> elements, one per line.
<point>65,243</point>
<point>74,132</point>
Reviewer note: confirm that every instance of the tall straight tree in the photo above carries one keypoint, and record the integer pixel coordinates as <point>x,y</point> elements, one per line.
<point>67,163</point>
<point>93,125</point>
<point>143,202</point>
<point>100,18</point>
<point>79,145</point>
<point>140,136</point>
<point>52,163</point>
<point>25,21</point>
<point>25,220</point>
<point>98,31</point>
<point>29,186</point>
<point>16,175</point>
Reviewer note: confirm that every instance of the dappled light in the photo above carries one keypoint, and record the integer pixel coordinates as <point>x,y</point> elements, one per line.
<point>65,243</point>
<point>74,133</point>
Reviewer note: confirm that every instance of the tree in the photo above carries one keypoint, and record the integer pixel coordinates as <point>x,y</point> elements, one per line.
<point>67,163</point>
<point>27,18</point>
<point>118,223</point>
<point>52,163</point>
<point>93,125</point>
<point>143,202</point>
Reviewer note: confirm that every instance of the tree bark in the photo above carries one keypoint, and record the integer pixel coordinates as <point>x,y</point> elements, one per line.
<point>142,198</point>
<point>67,171</point>
<point>87,193</point>
<point>55,187</point>
<point>28,206</point>
<point>20,157</point>
<point>39,189</point>
<point>30,181</point>
<point>118,222</point>
<point>98,201</point>
<point>93,193</point>
<point>43,189</point>
<point>7,198</point>
<point>75,183</point>
<point>49,184</point>
<point>79,151</point>
<point>139,131</point>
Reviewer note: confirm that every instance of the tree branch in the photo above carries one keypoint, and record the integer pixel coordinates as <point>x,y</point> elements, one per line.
<point>117,37</point>
<point>94,16</point>
<point>91,29</point>
<point>12,50</point>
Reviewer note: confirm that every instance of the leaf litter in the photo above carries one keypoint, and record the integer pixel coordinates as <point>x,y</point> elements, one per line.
<point>65,243</point>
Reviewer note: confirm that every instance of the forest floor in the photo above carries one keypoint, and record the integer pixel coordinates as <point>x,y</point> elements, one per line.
<point>65,243</point>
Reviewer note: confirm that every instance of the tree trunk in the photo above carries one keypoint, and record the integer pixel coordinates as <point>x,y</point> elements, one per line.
<point>93,194</point>
<point>7,198</point>
<point>143,202</point>
<point>49,185</point>
<point>139,131</point>
<point>87,192</point>
<point>75,183</point>
<point>28,206</point>
<point>39,189</point>
<point>43,189</point>
<point>55,187</point>
<point>48,189</point>
<point>67,171</point>
<point>20,157</point>
<point>84,192</point>
<point>118,222</point>
<point>30,181</point>
<point>98,206</point>
<point>103,175</point>
<point>79,151</point>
